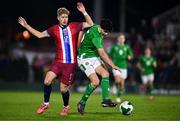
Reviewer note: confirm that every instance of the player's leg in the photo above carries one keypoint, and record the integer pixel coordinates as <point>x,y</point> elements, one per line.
<point>105,86</point>
<point>120,82</point>
<point>144,79</point>
<point>50,76</point>
<point>86,66</point>
<point>151,86</point>
<point>120,87</point>
<point>64,89</point>
<point>94,82</point>
<point>67,79</point>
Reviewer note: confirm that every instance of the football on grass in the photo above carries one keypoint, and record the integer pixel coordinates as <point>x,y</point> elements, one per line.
<point>126,108</point>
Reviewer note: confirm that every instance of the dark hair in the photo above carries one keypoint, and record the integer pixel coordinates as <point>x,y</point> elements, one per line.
<point>106,24</point>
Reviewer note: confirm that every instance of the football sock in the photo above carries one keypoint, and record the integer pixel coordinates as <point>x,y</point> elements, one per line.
<point>151,88</point>
<point>87,93</point>
<point>65,97</point>
<point>120,91</point>
<point>105,87</point>
<point>47,92</point>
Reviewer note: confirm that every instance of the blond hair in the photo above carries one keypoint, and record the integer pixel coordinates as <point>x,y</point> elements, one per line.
<point>61,11</point>
<point>122,34</point>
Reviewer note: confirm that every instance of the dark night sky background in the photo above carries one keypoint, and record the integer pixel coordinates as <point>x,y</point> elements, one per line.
<point>42,13</point>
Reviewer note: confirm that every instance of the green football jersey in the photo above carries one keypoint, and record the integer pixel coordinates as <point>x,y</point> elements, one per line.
<point>92,40</point>
<point>147,64</point>
<point>119,54</point>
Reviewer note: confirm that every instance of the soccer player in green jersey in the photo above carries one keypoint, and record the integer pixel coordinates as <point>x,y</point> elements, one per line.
<point>146,65</point>
<point>90,54</point>
<point>120,54</point>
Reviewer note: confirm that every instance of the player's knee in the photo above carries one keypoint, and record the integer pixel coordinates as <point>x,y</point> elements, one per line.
<point>95,84</point>
<point>64,89</point>
<point>105,74</point>
<point>47,82</point>
<point>119,79</point>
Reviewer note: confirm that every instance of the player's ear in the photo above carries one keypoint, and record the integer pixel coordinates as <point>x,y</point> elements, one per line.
<point>58,18</point>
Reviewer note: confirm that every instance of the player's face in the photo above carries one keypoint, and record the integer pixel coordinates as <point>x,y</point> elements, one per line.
<point>148,52</point>
<point>121,39</point>
<point>63,19</point>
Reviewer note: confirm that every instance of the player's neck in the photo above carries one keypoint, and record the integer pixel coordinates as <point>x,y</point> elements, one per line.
<point>121,43</point>
<point>63,26</point>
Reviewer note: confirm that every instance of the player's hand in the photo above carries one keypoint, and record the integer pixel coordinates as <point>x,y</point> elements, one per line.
<point>129,57</point>
<point>154,64</point>
<point>22,21</point>
<point>116,68</point>
<point>81,7</point>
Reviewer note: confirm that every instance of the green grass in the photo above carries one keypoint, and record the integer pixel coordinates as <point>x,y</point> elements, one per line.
<point>23,105</point>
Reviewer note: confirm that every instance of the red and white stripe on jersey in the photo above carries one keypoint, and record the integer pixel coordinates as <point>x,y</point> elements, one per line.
<point>56,32</point>
<point>64,52</point>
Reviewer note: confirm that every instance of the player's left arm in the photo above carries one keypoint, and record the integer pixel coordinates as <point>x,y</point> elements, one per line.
<point>139,66</point>
<point>89,22</point>
<point>154,63</point>
<point>106,58</point>
<point>130,55</point>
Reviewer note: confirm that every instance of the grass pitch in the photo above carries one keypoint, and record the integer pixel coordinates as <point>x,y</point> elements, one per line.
<point>22,106</point>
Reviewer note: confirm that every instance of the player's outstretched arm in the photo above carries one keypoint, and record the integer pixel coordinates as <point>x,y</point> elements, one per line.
<point>106,58</point>
<point>89,21</point>
<point>36,33</point>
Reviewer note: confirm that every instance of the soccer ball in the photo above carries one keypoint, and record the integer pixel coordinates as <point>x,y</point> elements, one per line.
<point>126,108</point>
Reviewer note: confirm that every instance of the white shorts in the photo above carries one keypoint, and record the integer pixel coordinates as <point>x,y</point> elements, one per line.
<point>122,74</point>
<point>147,78</point>
<point>88,65</point>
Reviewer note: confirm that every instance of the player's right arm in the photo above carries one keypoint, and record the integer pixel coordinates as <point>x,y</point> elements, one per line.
<point>35,32</point>
<point>139,66</point>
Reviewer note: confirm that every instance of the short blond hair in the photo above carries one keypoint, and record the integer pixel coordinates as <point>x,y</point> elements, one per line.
<point>122,34</point>
<point>61,11</point>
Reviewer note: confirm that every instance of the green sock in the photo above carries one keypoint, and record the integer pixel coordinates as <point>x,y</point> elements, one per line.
<point>119,91</point>
<point>87,93</point>
<point>105,87</point>
<point>151,88</point>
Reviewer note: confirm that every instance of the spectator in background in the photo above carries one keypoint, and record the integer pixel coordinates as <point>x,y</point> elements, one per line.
<point>37,67</point>
<point>145,30</point>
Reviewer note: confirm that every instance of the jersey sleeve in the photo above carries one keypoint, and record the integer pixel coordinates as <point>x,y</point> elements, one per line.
<point>97,42</point>
<point>51,30</point>
<point>97,39</point>
<point>129,51</point>
<point>154,61</point>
